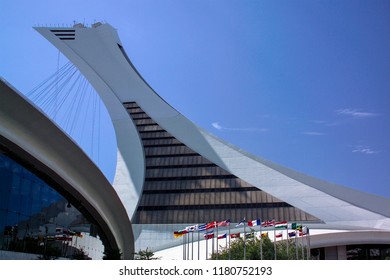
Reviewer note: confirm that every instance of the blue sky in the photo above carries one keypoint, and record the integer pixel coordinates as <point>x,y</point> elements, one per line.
<point>305,84</point>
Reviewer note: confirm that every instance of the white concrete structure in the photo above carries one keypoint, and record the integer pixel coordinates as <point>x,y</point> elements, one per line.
<point>98,53</point>
<point>29,134</point>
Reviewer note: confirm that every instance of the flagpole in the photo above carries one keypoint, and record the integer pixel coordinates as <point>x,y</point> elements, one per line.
<point>244,240</point>
<point>274,241</point>
<point>288,241</point>
<point>307,247</point>
<point>207,249</point>
<point>198,246</point>
<point>226,242</point>
<point>192,241</point>
<point>261,243</point>
<point>296,244</point>
<point>302,244</point>
<point>188,246</point>
<point>184,247</point>
<point>217,240</point>
<point>212,245</point>
<point>229,241</point>
<point>308,244</point>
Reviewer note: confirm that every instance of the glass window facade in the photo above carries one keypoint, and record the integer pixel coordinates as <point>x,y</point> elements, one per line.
<point>368,252</point>
<point>35,218</point>
<point>183,187</point>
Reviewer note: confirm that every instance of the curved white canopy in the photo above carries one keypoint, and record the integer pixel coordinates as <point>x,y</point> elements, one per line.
<point>29,134</point>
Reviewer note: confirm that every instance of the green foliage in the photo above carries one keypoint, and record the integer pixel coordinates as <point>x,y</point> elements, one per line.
<point>112,254</point>
<point>268,250</point>
<point>50,253</point>
<point>80,255</point>
<point>146,254</point>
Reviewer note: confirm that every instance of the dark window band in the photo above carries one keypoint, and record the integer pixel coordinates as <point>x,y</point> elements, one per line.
<point>214,206</point>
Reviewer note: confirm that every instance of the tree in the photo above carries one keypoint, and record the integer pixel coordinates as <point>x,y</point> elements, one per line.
<point>112,254</point>
<point>253,250</point>
<point>80,254</point>
<point>146,254</point>
<point>50,253</point>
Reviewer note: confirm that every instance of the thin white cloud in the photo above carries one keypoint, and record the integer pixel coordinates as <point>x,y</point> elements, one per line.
<point>314,133</point>
<point>356,113</point>
<point>364,150</point>
<point>346,116</point>
<point>216,125</point>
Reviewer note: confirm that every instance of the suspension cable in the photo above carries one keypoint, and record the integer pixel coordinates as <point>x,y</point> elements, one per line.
<point>68,99</point>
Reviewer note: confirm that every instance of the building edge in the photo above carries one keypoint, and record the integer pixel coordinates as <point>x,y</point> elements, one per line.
<point>37,141</point>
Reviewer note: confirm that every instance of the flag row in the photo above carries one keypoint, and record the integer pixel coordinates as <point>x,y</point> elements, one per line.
<point>269,223</point>
<point>248,235</point>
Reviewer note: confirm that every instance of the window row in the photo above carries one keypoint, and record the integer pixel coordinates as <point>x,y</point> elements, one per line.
<point>235,215</point>
<point>175,150</point>
<point>206,198</point>
<point>155,134</point>
<point>180,166</point>
<point>140,122</point>
<point>129,105</point>
<point>195,184</point>
<point>166,141</point>
<point>180,160</point>
<point>134,110</point>
<point>155,127</point>
<point>185,172</point>
<point>201,190</point>
<point>139,116</point>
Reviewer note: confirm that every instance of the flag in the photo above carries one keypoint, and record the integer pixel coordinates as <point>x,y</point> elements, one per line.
<point>264,234</point>
<point>281,225</point>
<point>225,223</point>
<point>278,234</point>
<point>192,228</point>
<point>202,227</point>
<point>222,236</point>
<point>66,231</point>
<point>211,225</point>
<point>291,234</point>
<point>292,226</point>
<point>299,227</point>
<point>177,234</point>
<point>208,235</point>
<point>63,237</point>
<point>304,231</point>
<point>241,223</point>
<point>254,223</point>
<point>249,235</point>
<point>60,230</point>
<point>235,235</point>
<point>269,223</point>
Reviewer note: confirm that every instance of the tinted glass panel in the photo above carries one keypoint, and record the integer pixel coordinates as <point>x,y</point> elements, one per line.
<point>34,218</point>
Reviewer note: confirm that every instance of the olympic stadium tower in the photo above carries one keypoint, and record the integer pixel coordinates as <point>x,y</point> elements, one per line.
<point>171,173</point>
